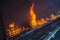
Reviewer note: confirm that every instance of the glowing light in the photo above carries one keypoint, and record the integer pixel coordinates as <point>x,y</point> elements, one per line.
<point>33,17</point>
<point>33,22</point>
<point>47,19</point>
<point>53,17</point>
<point>13,31</point>
<point>11,25</point>
<point>42,21</point>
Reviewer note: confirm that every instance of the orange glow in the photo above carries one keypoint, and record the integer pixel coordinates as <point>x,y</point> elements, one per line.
<point>39,23</point>
<point>11,25</point>
<point>42,21</point>
<point>13,31</point>
<point>53,17</point>
<point>47,19</point>
<point>33,22</point>
<point>33,17</point>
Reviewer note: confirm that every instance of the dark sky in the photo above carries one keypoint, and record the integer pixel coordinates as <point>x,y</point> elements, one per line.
<point>18,10</point>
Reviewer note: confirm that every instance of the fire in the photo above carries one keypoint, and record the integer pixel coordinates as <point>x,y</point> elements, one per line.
<point>42,20</point>
<point>53,17</point>
<point>47,19</point>
<point>11,25</point>
<point>33,22</point>
<point>33,17</point>
<point>12,30</point>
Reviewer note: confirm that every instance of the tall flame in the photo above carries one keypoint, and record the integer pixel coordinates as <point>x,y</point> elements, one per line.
<point>14,30</point>
<point>33,17</point>
<point>33,22</point>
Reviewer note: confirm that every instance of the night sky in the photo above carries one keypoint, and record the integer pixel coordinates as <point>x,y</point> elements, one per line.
<point>18,10</point>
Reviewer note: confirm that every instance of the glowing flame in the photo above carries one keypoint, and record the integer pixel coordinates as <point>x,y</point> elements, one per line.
<point>33,17</point>
<point>53,17</point>
<point>42,20</point>
<point>13,31</point>
<point>47,19</point>
<point>33,22</point>
<point>11,25</point>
